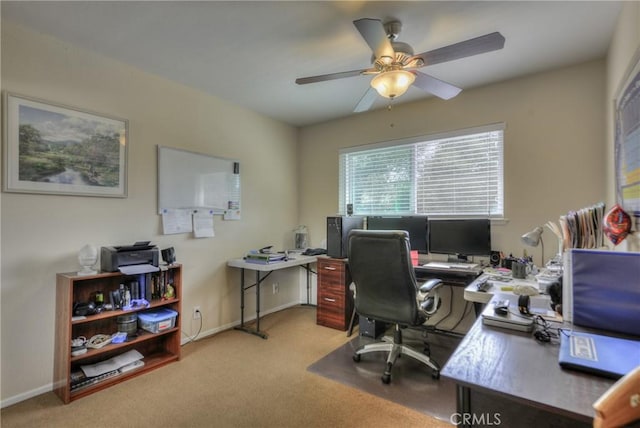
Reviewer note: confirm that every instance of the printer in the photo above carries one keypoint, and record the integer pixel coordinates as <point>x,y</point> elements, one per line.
<point>113,258</point>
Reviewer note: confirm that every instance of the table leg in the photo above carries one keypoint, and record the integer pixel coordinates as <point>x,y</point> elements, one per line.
<point>242,327</point>
<point>242,298</point>
<point>258,303</point>
<point>352,322</point>
<point>463,405</point>
<point>478,308</point>
<point>307,267</point>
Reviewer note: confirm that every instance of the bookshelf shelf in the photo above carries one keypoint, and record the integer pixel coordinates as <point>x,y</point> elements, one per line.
<point>158,349</point>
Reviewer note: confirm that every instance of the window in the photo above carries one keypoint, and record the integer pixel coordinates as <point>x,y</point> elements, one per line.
<point>458,174</point>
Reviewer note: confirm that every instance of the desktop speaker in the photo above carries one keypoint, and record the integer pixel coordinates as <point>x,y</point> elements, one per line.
<point>349,209</point>
<point>169,255</point>
<point>338,228</point>
<point>494,258</point>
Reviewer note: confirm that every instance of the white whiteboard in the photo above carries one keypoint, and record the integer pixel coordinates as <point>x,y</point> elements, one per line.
<point>189,180</point>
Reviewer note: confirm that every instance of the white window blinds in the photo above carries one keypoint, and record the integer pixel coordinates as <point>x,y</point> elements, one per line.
<point>455,175</point>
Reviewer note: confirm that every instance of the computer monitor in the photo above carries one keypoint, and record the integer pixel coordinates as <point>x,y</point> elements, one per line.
<point>470,237</point>
<point>416,226</point>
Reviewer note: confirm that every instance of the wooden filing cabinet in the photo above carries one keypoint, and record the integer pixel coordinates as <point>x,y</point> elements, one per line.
<point>335,300</point>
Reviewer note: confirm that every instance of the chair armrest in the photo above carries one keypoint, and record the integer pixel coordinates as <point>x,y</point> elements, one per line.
<point>432,284</point>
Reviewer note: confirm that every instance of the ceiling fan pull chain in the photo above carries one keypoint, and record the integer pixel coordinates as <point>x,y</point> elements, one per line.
<point>390,106</point>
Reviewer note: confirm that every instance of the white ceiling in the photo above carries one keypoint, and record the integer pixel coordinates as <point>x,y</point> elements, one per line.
<point>250,53</point>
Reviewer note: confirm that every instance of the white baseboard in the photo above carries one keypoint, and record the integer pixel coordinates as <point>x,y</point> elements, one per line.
<point>26,395</point>
<point>229,326</point>
<point>49,387</point>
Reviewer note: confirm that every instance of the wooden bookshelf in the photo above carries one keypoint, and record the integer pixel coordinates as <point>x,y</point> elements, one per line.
<point>158,349</point>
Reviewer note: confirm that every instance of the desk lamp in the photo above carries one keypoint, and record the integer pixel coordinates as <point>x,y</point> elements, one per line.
<point>553,227</point>
<point>533,238</point>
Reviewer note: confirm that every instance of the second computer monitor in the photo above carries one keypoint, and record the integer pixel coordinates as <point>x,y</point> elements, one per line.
<point>416,226</point>
<point>462,238</point>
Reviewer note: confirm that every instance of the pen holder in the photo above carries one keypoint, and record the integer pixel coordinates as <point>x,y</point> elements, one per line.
<point>507,262</point>
<point>519,270</point>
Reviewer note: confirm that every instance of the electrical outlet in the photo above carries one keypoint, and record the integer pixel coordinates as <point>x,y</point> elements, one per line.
<point>196,313</point>
<point>276,288</point>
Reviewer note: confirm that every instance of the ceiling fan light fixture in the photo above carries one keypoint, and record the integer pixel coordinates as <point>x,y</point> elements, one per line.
<point>392,83</point>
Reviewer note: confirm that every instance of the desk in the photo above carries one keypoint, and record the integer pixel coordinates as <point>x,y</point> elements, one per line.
<point>481,298</point>
<point>299,260</point>
<point>513,365</point>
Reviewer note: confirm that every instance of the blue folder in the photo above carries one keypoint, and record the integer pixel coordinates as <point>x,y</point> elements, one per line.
<point>605,290</point>
<point>601,355</point>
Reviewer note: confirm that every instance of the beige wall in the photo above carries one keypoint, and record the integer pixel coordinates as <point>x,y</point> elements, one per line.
<point>41,234</point>
<point>623,52</point>
<point>558,156</point>
<point>554,146</point>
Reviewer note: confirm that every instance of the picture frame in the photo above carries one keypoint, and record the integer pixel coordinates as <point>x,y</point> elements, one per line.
<point>51,148</point>
<point>627,140</point>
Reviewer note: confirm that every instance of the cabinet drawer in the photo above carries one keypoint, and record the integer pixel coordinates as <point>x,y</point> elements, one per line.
<point>331,268</point>
<point>329,297</point>
<point>332,273</point>
<point>335,303</point>
<point>332,311</point>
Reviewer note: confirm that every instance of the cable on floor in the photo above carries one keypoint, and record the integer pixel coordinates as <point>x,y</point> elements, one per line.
<point>195,337</point>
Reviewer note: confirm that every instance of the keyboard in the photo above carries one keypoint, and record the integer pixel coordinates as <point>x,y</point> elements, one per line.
<point>447,265</point>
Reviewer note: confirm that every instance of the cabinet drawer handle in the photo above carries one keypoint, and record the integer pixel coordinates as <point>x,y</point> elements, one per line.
<point>329,300</point>
<point>329,268</point>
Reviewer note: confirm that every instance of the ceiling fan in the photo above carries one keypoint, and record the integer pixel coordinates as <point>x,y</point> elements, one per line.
<point>395,66</point>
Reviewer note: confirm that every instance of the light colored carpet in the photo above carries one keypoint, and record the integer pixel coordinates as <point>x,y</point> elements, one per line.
<point>411,384</point>
<point>232,379</point>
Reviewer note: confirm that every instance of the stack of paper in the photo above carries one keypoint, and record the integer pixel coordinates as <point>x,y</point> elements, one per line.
<point>111,364</point>
<point>264,258</point>
<point>583,228</point>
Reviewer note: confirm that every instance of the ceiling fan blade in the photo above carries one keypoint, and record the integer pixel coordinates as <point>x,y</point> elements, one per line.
<point>487,43</point>
<point>435,86</point>
<point>372,31</point>
<point>366,101</point>
<point>331,76</point>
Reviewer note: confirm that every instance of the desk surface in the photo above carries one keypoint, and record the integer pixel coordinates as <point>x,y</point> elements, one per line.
<point>296,260</point>
<point>515,366</point>
<point>472,294</point>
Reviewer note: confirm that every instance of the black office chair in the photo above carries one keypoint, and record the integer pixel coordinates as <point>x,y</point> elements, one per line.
<point>386,291</point>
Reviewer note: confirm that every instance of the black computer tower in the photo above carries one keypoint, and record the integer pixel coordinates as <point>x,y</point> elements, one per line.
<point>371,328</point>
<point>338,228</point>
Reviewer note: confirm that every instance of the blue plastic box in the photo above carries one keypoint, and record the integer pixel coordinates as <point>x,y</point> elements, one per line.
<point>157,320</point>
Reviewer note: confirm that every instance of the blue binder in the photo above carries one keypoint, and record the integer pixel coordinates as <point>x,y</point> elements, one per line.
<point>603,290</point>
<point>601,355</point>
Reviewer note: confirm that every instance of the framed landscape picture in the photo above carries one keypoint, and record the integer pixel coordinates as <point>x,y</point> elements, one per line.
<point>50,148</point>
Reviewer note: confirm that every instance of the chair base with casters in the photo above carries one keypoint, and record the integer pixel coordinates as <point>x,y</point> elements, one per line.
<point>395,347</point>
